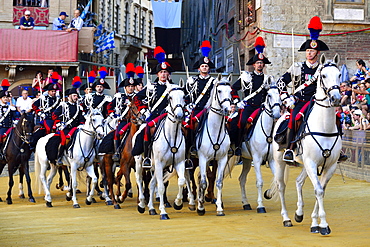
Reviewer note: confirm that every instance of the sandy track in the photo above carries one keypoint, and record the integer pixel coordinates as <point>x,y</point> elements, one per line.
<point>347,208</point>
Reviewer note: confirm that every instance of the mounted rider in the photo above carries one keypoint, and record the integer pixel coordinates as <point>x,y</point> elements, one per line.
<point>7,116</point>
<point>254,87</point>
<point>302,77</point>
<point>98,100</point>
<point>45,105</point>
<point>199,91</point>
<point>119,106</point>
<point>68,115</point>
<point>152,100</point>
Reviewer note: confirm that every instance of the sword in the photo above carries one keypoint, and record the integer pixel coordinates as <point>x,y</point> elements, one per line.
<point>293,80</point>
<point>186,67</point>
<point>240,66</point>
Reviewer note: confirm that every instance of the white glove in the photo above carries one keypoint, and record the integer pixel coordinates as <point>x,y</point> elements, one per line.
<point>118,95</point>
<point>41,114</point>
<point>190,81</point>
<point>241,105</point>
<point>289,102</point>
<point>145,113</point>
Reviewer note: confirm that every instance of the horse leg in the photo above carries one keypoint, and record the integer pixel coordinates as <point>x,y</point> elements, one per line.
<point>300,204</point>
<point>152,186</point>
<point>180,169</point>
<point>202,184</point>
<point>242,181</point>
<point>259,184</point>
<point>74,185</point>
<point>28,180</point>
<point>10,184</point>
<point>219,184</point>
<point>96,172</point>
<point>279,180</point>
<point>190,194</point>
<point>161,190</point>
<point>21,175</point>
<point>60,184</point>
<point>46,182</point>
<point>68,178</point>
<point>126,174</point>
<point>165,199</point>
<point>94,180</point>
<point>109,181</point>
<point>211,175</point>
<point>139,182</point>
<point>2,165</point>
<point>118,183</point>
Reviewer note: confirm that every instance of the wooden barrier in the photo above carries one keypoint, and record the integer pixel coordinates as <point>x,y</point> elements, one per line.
<point>356,144</point>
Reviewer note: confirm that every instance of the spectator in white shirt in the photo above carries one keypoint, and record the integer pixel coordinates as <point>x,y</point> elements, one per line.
<point>76,23</point>
<point>24,103</point>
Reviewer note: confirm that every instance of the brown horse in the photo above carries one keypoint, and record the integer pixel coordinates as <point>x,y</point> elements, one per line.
<point>127,161</point>
<point>17,153</point>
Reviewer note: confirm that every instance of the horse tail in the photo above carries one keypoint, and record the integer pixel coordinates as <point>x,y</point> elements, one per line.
<point>37,173</point>
<point>168,175</point>
<point>231,162</point>
<point>273,192</point>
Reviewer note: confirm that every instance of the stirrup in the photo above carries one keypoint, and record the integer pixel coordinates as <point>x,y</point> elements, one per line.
<point>147,163</point>
<point>60,162</point>
<point>288,155</point>
<point>115,157</point>
<point>342,157</point>
<point>238,151</point>
<point>189,164</point>
<point>193,152</point>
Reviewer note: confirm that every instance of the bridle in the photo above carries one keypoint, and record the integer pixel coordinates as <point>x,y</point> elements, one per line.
<point>220,102</point>
<point>23,134</point>
<point>173,108</point>
<point>324,88</point>
<point>271,107</point>
<point>95,128</point>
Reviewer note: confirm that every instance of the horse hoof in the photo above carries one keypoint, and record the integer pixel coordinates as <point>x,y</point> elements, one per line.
<point>117,206</point>
<point>109,203</point>
<point>191,207</point>
<point>315,229</point>
<point>32,200</point>
<point>287,223</point>
<point>68,198</point>
<point>93,200</point>
<point>220,213</point>
<point>177,207</point>
<point>267,195</point>
<point>59,186</point>
<point>130,195</point>
<point>157,199</point>
<point>298,218</point>
<point>247,207</point>
<point>101,185</point>
<point>201,212</point>
<point>88,202</point>
<point>152,212</point>
<point>214,201</point>
<point>167,205</point>
<point>261,210</point>
<point>1,200</point>
<point>78,191</point>
<point>140,209</point>
<point>99,193</point>
<point>119,200</point>
<point>22,196</point>
<point>49,205</point>
<point>102,198</point>
<point>325,230</point>
<point>164,217</point>
<point>9,201</point>
<point>76,205</point>
<point>207,199</point>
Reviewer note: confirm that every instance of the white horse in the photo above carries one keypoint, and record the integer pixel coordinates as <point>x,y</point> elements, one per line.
<point>259,148</point>
<point>213,141</point>
<point>319,148</point>
<point>169,150</point>
<point>80,156</point>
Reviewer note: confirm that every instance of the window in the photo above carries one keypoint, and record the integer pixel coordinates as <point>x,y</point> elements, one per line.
<point>349,1</point>
<point>135,24</point>
<point>346,11</point>
<point>230,28</point>
<point>117,18</point>
<point>143,27</point>
<point>150,32</point>
<point>127,19</point>
<point>31,3</point>
<point>247,13</point>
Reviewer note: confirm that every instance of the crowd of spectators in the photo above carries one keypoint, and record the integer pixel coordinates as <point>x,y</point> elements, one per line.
<point>355,103</point>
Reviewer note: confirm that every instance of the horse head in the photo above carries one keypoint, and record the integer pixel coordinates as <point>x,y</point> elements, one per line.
<point>329,81</point>
<point>25,127</point>
<point>176,101</point>
<point>95,123</point>
<point>134,115</point>
<point>273,101</point>
<point>221,95</point>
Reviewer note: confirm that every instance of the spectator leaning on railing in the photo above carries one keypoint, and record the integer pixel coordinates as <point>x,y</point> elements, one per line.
<point>364,90</point>
<point>26,22</point>
<point>361,73</point>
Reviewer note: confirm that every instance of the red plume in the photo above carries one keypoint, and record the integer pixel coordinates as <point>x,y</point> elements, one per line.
<point>5,83</point>
<point>315,23</point>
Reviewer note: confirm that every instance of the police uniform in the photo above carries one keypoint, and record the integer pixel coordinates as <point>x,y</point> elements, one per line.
<point>255,86</point>
<point>97,100</point>
<point>45,106</point>
<point>69,116</point>
<point>7,116</point>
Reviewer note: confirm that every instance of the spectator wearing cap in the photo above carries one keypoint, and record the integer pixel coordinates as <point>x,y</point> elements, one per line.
<point>76,23</point>
<point>361,73</point>
<point>358,121</point>
<point>58,23</point>
<point>26,22</point>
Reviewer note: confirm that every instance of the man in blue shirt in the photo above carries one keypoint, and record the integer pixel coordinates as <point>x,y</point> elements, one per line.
<point>26,22</point>
<point>58,23</point>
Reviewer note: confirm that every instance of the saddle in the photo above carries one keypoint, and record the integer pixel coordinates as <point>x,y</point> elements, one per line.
<point>251,124</point>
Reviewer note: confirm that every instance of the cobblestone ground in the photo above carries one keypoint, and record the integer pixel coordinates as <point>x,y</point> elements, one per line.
<point>347,208</point>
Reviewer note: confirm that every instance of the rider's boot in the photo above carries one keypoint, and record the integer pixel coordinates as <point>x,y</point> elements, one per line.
<point>288,154</point>
<point>342,156</point>
<point>147,163</point>
<point>60,155</point>
<point>115,156</point>
<point>2,156</point>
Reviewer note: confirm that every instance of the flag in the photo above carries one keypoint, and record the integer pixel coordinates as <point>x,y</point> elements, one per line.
<point>108,43</point>
<point>86,10</point>
<point>100,40</point>
<point>99,30</point>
